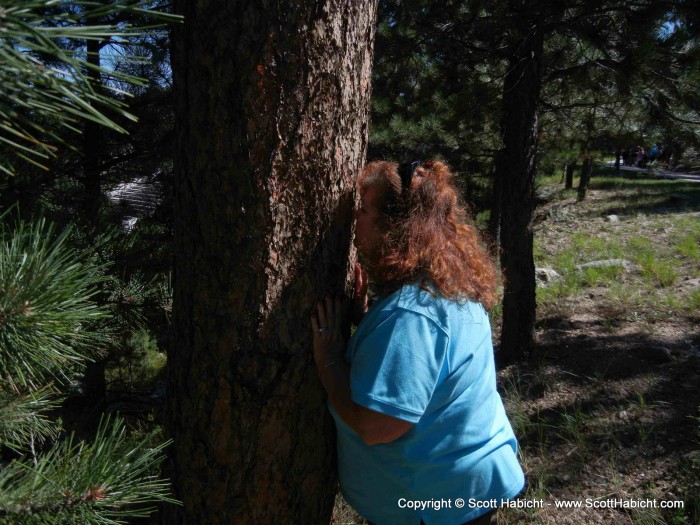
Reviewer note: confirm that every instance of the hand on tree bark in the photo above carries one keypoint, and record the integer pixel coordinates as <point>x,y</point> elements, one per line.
<point>359,300</point>
<point>327,327</point>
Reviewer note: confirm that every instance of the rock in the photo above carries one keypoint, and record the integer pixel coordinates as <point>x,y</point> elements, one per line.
<point>613,219</point>
<point>693,456</point>
<point>544,197</point>
<point>607,262</point>
<point>545,276</point>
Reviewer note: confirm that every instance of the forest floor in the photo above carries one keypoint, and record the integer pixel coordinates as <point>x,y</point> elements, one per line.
<point>607,407</point>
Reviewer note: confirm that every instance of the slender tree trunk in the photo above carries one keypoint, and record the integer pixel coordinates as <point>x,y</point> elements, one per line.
<point>516,167</point>
<point>92,145</point>
<point>586,169</point>
<point>95,383</point>
<point>570,167</point>
<point>273,107</point>
<point>494,226</point>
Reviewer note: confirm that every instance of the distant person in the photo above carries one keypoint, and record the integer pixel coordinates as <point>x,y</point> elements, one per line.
<point>413,392</point>
<point>664,154</point>
<point>654,153</point>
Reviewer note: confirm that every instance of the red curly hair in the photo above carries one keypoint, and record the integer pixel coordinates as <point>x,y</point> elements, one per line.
<point>426,236</point>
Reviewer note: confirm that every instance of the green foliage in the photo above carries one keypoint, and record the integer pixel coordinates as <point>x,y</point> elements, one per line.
<point>432,97</point>
<point>49,328</point>
<point>596,276</point>
<point>101,482</point>
<point>46,306</point>
<point>26,418</point>
<point>693,304</point>
<point>46,87</point>
<point>656,271</point>
<point>139,361</point>
<point>688,247</point>
<point>59,306</point>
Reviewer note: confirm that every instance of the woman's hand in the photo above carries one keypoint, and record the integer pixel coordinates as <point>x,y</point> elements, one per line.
<point>327,323</point>
<point>359,299</point>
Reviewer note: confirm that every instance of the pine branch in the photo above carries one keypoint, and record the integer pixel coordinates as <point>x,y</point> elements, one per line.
<point>47,315</point>
<point>102,482</point>
<point>44,81</point>
<point>24,418</point>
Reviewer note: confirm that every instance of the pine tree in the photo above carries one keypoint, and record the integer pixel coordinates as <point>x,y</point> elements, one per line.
<point>50,323</point>
<point>272,119</point>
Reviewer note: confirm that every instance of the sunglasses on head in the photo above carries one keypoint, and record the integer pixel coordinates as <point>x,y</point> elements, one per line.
<point>406,171</point>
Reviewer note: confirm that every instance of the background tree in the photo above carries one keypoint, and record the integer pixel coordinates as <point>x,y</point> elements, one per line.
<point>537,81</point>
<point>272,105</point>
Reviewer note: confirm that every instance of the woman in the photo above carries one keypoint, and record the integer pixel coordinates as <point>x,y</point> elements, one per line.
<point>422,433</point>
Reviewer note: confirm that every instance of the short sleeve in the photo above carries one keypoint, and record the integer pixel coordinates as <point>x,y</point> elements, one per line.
<point>395,368</point>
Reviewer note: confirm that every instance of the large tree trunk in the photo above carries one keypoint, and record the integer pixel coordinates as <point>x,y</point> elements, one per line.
<point>516,168</point>
<point>273,106</point>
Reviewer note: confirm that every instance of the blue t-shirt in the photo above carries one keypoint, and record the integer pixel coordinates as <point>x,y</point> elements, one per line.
<point>429,361</point>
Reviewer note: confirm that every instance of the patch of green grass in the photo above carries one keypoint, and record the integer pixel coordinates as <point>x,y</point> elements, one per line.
<point>655,271</point>
<point>538,253</point>
<point>513,400</point>
<point>645,432</point>
<point>597,276</point>
<point>565,261</point>
<point>672,302</point>
<point>572,427</point>
<point>590,247</point>
<point>539,476</point>
<point>689,247</point>
<point>638,246</point>
<point>689,226</point>
<point>555,299</point>
<point>693,302</point>
<point>647,516</point>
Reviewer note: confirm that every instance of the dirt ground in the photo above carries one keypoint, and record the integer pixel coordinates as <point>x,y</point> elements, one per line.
<point>608,405</point>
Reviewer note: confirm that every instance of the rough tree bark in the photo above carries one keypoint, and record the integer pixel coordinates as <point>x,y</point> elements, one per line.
<point>273,105</point>
<point>586,170</point>
<point>515,166</point>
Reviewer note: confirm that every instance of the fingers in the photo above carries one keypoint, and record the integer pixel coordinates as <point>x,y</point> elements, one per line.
<point>314,324</point>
